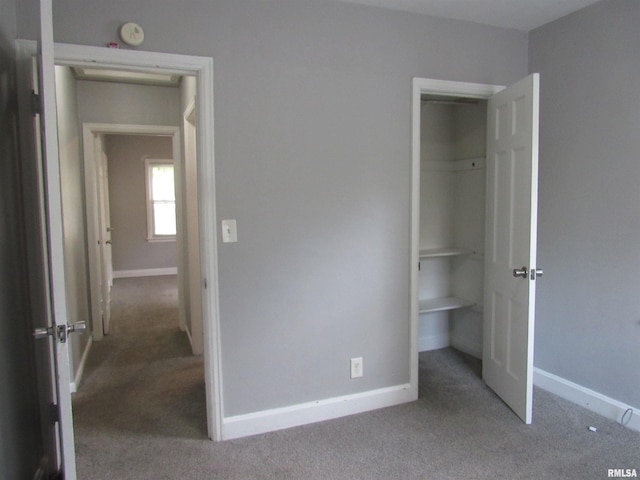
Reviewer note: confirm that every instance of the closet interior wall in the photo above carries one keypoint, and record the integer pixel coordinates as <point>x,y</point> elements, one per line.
<point>452,225</point>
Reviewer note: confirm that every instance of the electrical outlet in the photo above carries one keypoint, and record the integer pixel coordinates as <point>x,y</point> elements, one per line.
<point>356,367</point>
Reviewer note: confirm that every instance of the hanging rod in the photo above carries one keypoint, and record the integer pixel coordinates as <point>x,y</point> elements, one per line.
<point>449,101</point>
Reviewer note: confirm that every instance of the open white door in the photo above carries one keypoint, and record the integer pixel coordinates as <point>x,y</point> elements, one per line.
<point>105,239</point>
<point>96,181</point>
<point>190,232</point>
<point>54,236</point>
<point>511,231</point>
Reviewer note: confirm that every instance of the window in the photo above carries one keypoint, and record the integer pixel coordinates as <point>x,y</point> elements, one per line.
<point>161,200</point>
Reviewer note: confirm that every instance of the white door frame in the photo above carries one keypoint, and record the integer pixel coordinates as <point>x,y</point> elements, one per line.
<point>202,69</point>
<point>89,132</point>
<point>428,86</point>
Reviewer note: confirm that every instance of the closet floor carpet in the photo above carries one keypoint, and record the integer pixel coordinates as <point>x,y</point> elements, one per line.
<point>140,414</point>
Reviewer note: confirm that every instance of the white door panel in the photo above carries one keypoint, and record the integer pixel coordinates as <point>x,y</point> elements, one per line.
<point>54,236</point>
<point>105,237</point>
<point>512,177</point>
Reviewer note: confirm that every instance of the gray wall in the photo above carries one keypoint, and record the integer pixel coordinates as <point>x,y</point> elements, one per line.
<point>588,320</point>
<point>73,200</point>
<point>127,199</point>
<point>27,18</point>
<point>104,102</point>
<point>19,415</point>
<point>312,105</point>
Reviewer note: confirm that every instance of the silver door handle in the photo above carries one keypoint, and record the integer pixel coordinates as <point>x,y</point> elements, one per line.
<point>536,273</point>
<point>61,331</point>
<point>108,242</point>
<point>520,272</point>
<point>40,333</point>
<point>78,327</point>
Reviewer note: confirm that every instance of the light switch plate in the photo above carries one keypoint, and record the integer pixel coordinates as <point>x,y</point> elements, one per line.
<point>229,231</point>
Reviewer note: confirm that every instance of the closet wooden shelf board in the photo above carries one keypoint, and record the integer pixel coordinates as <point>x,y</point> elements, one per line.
<point>444,252</point>
<point>442,304</point>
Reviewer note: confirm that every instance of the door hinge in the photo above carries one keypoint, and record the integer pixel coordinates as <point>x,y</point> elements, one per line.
<point>54,413</point>
<point>36,106</point>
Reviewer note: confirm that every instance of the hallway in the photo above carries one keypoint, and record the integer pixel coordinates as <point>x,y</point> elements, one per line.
<point>141,379</point>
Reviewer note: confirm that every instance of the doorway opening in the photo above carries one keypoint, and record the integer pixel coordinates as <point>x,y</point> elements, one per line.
<point>126,236</point>
<point>199,69</point>
<point>116,158</point>
<point>451,243</point>
<point>473,222</point>
<point>448,193</point>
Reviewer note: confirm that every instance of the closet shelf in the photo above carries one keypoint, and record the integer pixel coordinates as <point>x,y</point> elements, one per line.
<point>443,304</point>
<point>458,165</point>
<point>444,252</point>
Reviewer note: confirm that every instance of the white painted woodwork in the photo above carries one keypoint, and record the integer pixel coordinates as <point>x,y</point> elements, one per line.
<point>92,144</point>
<point>55,237</point>
<point>105,240</point>
<point>192,244</point>
<point>271,420</point>
<point>444,252</point>
<point>96,190</point>
<point>444,303</point>
<point>36,241</point>
<point>512,178</point>
<point>149,272</point>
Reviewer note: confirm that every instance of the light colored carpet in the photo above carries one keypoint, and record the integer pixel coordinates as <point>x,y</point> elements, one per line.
<point>140,414</point>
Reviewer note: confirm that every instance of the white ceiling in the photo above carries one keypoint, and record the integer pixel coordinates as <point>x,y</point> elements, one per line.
<point>518,14</point>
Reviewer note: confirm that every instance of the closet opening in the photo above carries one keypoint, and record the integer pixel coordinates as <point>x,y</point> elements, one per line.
<point>453,149</point>
<point>473,228</point>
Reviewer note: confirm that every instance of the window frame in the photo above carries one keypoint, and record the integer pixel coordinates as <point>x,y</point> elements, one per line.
<point>149,163</point>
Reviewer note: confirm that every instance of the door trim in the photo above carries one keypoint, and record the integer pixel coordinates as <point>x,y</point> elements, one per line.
<point>202,69</point>
<point>421,86</point>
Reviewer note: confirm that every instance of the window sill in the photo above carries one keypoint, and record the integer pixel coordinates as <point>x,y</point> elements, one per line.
<point>161,239</point>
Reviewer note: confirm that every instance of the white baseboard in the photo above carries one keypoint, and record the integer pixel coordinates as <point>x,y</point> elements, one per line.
<point>73,386</point>
<point>589,399</point>
<point>433,342</point>
<point>147,272</point>
<point>311,412</point>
